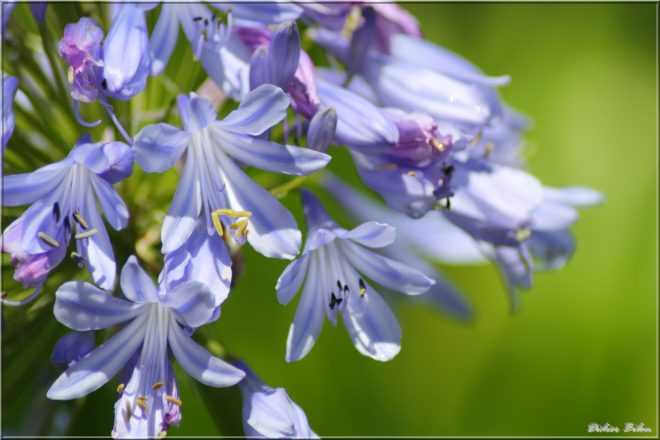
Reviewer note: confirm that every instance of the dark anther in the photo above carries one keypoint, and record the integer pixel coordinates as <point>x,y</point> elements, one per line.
<point>447,204</point>
<point>56,212</point>
<point>206,22</point>
<point>67,224</point>
<point>104,84</point>
<point>334,301</point>
<point>345,289</point>
<point>213,17</point>
<point>448,170</point>
<point>197,18</point>
<point>78,259</point>
<point>339,285</point>
<point>361,283</point>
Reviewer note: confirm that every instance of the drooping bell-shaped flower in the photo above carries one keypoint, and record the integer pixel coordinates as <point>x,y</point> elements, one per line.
<point>270,412</point>
<point>334,270</point>
<point>154,320</point>
<point>81,48</point>
<point>64,205</point>
<point>212,186</point>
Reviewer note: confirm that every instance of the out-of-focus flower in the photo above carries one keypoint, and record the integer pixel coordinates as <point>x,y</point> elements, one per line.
<point>213,186</point>
<point>332,267</point>
<point>63,197</point>
<point>148,402</point>
<point>9,87</point>
<point>270,412</point>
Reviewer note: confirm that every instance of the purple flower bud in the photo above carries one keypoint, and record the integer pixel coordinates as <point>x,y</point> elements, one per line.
<point>81,43</point>
<point>304,99</point>
<point>392,19</point>
<point>322,129</point>
<point>283,55</point>
<point>81,49</point>
<point>259,73</point>
<point>362,39</point>
<point>253,37</point>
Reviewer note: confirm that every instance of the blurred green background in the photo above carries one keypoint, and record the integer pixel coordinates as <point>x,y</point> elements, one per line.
<point>583,347</point>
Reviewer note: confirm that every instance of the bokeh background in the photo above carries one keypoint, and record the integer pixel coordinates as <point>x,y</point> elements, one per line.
<point>583,347</point>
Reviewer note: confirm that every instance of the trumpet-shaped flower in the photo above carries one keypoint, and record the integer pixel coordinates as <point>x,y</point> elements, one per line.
<point>154,320</point>
<point>333,270</point>
<point>213,186</point>
<point>270,412</point>
<point>63,197</point>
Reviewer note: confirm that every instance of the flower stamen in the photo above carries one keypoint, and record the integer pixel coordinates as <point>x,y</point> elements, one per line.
<point>80,220</point>
<point>48,239</point>
<point>173,400</point>
<point>86,234</point>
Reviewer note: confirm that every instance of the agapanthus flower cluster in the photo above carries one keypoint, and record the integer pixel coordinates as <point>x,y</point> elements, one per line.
<point>437,150</point>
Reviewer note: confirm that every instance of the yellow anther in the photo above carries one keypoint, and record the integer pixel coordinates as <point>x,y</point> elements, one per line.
<point>86,234</point>
<point>120,387</point>
<point>173,400</point>
<point>476,139</point>
<point>352,22</point>
<point>438,145</point>
<point>128,413</point>
<point>240,227</point>
<point>488,149</point>
<point>362,291</point>
<point>523,233</point>
<point>386,166</point>
<point>215,216</point>
<point>80,220</point>
<point>158,385</point>
<point>412,173</point>
<point>48,239</point>
<point>232,213</point>
<point>141,403</point>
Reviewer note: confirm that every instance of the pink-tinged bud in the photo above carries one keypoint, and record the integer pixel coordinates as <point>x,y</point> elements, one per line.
<point>304,99</point>
<point>81,43</point>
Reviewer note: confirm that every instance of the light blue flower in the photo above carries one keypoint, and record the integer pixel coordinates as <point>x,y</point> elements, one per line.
<point>213,186</point>
<point>333,270</point>
<point>417,241</point>
<point>64,198</point>
<point>152,322</point>
<point>270,412</point>
<point>9,88</point>
<point>418,76</point>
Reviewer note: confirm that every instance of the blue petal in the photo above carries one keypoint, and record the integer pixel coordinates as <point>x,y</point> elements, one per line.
<point>272,229</point>
<point>291,279</point>
<point>269,155</point>
<point>573,196</point>
<point>192,302</point>
<point>228,66</point>
<point>94,370</point>
<point>9,87</point>
<point>372,234</point>
<point>322,129</point>
<point>183,213</point>
<point>126,53</point>
<point>159,146</point>
<point>196,112</point>
<point>553,216</point>
<point>385,271</point>
<point>283,54</point>
<point>199,363</point>
<point>70,348</point>
<point>163,39</point>
<point>261,109</point>
<point>136,284</point>
<point>113,206</point>
<point>267,13</point>
<point>309,317</point>
<point>375,332</point>
<point>270,412</point>
<point>426,54</point>
<point>82,306</point>
<point>259,73</point>
<point>22,189</point>
<point>112,161</point>
<point>360,124</point>
<point>97,249</point>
